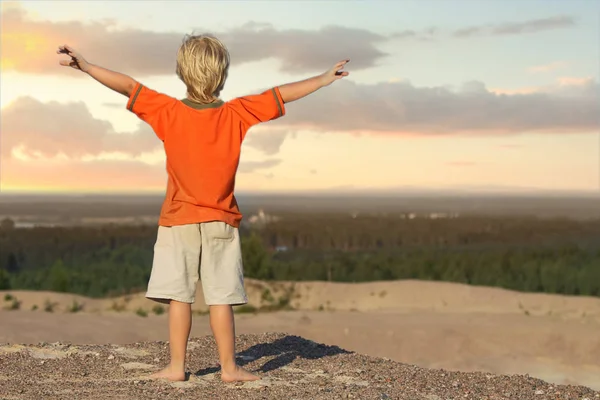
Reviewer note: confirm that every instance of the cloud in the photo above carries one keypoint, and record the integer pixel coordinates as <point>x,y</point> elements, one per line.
<point>424,35</point>
<point>462,164</point>
<point>547,67</point>
<point>266,140</point>
<point>253,166</point>
<point>516,28</point>
<point>29,46</point>
<point>54,145</point>
<point>510,146</point>
<point>32,129</point>
<point>78,175</point>
<point>69,131</point>
<point>401,108</point>
<point>96,174</point>
<point>51,129</point>
<point>573,81</point>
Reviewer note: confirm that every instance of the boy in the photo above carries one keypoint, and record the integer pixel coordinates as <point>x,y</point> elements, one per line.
<point>199,219</point>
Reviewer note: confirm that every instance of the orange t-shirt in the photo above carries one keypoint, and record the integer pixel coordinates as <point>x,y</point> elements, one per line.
<point>203,144</point>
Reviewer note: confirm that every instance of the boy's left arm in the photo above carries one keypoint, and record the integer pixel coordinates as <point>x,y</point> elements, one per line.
<point>297,90</point>
<point>270,104</point>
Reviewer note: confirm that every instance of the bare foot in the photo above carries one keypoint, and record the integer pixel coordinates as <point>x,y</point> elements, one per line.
<point>170,374</point>
<point>239,374</point>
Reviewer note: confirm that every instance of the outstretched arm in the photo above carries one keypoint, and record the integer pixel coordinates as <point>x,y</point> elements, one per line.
<point>113,80</point>
<point>297,90</point>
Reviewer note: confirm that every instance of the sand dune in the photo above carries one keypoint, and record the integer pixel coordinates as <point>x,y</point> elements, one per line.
<point>407,295</point>
<point>430,324</point>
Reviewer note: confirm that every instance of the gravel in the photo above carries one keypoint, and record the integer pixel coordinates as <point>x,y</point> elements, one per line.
<point>291,368</point>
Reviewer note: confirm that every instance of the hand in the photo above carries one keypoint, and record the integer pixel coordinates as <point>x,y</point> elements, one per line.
<point>76,61</point>
<point>335,73</point>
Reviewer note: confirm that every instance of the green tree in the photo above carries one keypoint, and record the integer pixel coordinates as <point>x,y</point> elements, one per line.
<point>256,258</point>
<point>4,280</point>
<point>59,277</point>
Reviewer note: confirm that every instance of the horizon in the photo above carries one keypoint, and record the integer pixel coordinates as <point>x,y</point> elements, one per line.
<point>505,112</point>
<point>426,192</point>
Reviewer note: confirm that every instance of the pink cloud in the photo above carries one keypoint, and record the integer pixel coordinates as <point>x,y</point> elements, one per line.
<point>78,175</point>
<point>553,66</point>
<point>575,81</point>
<point>510,146</point>
<point>29,45</point>
<point>462,163</point>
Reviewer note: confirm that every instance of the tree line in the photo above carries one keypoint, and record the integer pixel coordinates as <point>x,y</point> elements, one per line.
<point>526,254</point>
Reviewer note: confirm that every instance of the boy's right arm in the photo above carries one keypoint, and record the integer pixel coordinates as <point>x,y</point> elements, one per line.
<point>297,90</point>
<point>116,81</point>
<point>149,105</point>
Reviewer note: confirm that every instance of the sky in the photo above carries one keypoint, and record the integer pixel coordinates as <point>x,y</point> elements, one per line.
<point>442,94</point>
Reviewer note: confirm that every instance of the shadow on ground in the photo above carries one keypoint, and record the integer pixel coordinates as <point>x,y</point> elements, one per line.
<point>284,351</point>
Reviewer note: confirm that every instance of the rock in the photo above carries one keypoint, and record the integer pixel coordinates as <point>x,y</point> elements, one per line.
<point>245,358</point>
<point>46,354</point>
<point>131,353</point>
<point>265,382</point>
<point>183,384</point>
<point>137,365</point>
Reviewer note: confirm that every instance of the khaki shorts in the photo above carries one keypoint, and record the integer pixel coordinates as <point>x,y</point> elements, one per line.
<point>211,247</point>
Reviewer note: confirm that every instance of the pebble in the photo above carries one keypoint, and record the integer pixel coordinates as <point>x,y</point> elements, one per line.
<point>313,373</point>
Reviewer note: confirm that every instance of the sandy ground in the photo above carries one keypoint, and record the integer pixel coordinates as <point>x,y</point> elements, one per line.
<point>291,368</point>
<point>429,324</point>
<point>405,295</point>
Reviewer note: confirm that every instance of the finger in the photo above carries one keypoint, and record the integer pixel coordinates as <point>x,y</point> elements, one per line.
<point>341,63</point>
<point>340,75</point>
<point>65,63</point>
<point>338,69</point>
<point>65,49</point>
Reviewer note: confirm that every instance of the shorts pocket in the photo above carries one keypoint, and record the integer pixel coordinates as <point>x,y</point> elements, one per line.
<point>164,237</point>
<point>218,230</point>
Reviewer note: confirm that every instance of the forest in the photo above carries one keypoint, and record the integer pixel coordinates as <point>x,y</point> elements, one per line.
<point>521,253</point>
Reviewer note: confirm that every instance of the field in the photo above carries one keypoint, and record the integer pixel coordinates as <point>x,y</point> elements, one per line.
<point>462,285</point>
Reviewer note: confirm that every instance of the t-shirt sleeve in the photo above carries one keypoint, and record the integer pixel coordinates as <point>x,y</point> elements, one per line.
<point>152,107</point>
<point>258,108</point>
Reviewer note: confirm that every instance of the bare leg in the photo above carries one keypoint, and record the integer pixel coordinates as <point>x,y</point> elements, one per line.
<point>223,327</point>
<point>180,324</point>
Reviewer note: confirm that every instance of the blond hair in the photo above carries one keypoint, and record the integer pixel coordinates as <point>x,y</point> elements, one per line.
<point>202,64</point>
